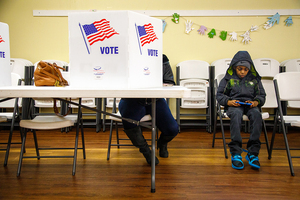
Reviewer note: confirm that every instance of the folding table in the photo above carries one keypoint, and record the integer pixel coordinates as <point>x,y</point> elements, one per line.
<point>96,92</point>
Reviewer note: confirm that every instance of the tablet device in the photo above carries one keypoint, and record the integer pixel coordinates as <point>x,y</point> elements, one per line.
<point>244,103</point>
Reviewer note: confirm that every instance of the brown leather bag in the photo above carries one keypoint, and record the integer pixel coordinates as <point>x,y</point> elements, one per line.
<point>47,74</point>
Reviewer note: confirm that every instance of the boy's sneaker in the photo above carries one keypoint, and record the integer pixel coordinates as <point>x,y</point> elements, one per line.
<point>253,161</point>
<point>236,161</point>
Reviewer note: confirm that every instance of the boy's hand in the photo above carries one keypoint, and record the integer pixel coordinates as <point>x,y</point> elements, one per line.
<point>233,103</point>
<point>253,103</point>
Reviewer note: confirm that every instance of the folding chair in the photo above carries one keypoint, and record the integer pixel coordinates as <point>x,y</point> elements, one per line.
<point>267,69</point>
<point>18,66</point>
<point>92,103</point>
<point>220,113</point>
<point>3,119</point>
<point>12,117</point>
<point>194,74</point>
<point>217,67</point>
<point>116,120</point>
<point>221,66</point>
<point>291,65</point>
<point>287,89</point>
<point>51,122</point>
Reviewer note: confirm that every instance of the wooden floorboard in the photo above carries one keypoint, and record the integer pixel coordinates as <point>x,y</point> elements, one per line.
<point>194,170</point>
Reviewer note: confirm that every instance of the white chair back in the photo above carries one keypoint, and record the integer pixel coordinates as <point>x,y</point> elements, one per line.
<point>219,77</point>
<point>194,74</point>
<point>292,65</point>
<point>288,86</point>
<point>11,103</point>
<point>221,66</point>
<point>271,96</point>
<point>18,66</point>
<point>90,102</point>
<point>191,69</point>
<point>266,67</point>
<point>110,102</point>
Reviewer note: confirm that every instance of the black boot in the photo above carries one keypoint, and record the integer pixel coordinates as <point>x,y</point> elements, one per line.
<point>162,145</point>
<point>138,140</point>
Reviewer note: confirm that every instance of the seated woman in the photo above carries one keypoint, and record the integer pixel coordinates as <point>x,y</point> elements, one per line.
<point>137,108</point>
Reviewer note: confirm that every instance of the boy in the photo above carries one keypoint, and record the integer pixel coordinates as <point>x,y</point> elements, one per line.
<point>242,84</point>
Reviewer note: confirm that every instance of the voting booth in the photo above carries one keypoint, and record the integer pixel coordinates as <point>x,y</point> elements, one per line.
<point>115,49</point>
<point>5,77</point>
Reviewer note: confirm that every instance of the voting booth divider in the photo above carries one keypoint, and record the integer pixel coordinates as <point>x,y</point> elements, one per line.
<point>115,49</point>
<point>5,77</point>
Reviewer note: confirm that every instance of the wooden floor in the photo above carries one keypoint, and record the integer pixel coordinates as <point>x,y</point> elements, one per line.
<point>194,170</point>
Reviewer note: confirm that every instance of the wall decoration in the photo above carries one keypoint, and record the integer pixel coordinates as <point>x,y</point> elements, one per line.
<point>233,34</point>
<point>223,35</point>
<point>212,33</point>
<point>274,18</point>
<point>289,21</point>
<point>175,18</point>
<point>246,37</point>
<point>253,28</point>
<point>270,23</point>
<point>202,30</point>
<point>188,26</point>
<point>267,25</point>
<point>164,23</point>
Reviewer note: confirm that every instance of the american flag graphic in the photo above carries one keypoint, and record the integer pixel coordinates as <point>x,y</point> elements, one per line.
<point>146,34</point>
<point>98,31</point>
<point>1,40</point>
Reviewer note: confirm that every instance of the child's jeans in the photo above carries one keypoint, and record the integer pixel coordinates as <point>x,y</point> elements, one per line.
<point>236,117</point>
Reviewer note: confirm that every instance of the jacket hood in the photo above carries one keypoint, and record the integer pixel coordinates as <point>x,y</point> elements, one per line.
<point>241,56</point>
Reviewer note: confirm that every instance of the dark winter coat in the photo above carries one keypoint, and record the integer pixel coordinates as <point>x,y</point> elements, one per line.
<point>231,87</point>
<point>167,71</point>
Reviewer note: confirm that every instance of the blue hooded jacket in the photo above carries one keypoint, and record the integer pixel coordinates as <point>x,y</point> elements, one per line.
<point>232,87</point>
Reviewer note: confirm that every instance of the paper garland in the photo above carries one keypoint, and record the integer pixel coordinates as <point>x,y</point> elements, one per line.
<point>223,34</point>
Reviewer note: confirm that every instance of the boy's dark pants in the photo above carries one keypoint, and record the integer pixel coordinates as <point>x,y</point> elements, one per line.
<point>236,117</point>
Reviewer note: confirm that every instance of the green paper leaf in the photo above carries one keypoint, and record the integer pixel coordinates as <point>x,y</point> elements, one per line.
<point>223,35</point>
<point>212,33</point>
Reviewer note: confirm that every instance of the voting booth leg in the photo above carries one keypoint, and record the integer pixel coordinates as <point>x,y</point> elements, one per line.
<point>79,122</point>
<point>98,115</point>
<point>153,145</point>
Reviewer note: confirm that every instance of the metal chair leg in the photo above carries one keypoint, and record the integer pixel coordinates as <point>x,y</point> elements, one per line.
<point>36,144</point>
<point>22,152</point>
<point>266,137</point>
<point>288,151</point>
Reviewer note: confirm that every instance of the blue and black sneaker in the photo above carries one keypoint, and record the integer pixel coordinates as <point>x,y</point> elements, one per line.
<point>253,161</point>
<point>237,162</point>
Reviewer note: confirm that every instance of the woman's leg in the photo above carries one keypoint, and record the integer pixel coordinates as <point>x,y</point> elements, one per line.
<point>166,124</point>
<point>131,108</point>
